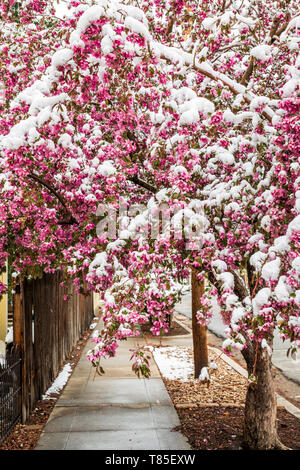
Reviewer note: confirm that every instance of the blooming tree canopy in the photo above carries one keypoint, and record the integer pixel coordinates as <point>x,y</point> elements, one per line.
<point>185,109</point>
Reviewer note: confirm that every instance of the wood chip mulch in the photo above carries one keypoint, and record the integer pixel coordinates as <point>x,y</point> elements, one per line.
<point>226,386</point>
<point>221,428</point>
<point>26,436</point>
<point>212,416</point>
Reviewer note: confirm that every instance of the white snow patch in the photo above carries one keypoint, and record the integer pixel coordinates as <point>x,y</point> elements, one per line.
<point>212,365</point>
<point>107,45</point>
<point>262,52</point>
<point>106,169</point>
<point>227,280</point>
<point>61,57</point>
<point>174,363</point>
<point>204,375</point>
<point>137,27</point>
<point>265,345</point>
<point>270,271</point>
<point>296,264</point>
<point>219,265</point>
<point>59,382</point>
<point>261,298</point>
<point>10,335</point>
<point>282,290</point>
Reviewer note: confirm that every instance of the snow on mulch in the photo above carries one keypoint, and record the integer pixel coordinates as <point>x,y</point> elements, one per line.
<point>10,335</point>
<point>176,366</point>
<point>59,382</point>
<point>94,324</point>
<point>174,363</point>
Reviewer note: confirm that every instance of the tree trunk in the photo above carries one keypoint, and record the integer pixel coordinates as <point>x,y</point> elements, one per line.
<point>199,332</point>
<point>260,429</point>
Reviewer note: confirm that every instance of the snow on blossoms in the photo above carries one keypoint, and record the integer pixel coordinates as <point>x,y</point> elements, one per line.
<point>186,112</point>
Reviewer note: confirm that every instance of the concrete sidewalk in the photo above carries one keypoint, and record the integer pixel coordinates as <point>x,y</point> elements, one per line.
<point>114,411</point>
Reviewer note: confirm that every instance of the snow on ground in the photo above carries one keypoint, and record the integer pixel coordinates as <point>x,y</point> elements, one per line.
<point>174,363</point>
<point>177,363</point>
<point>59,382</point>
<point>10,335</point>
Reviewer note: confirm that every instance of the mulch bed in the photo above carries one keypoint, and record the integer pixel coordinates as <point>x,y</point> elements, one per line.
<point>26,436</point>
<point>226,386</point>
<point>175,330</point>
<point>212,416</point>
<point>221,428</point>
<point>287,388</point>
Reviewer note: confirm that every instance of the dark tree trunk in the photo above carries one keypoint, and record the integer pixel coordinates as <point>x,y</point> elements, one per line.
<point>199,332</point>
<point>260,429</point>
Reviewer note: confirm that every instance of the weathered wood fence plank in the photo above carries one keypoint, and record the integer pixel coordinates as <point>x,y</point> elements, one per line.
<point>47,327</point>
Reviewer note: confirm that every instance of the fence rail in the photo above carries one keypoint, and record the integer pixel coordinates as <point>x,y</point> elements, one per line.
<point>10,392</point>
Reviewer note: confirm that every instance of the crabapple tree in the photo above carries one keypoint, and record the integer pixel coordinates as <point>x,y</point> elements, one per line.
<point>159,111</point>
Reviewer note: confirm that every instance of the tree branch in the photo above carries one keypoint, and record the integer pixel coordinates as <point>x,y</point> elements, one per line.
<point>135,179</point>
<point>246,77</point>
<point>71,220</point>
<point>170,25</point>
<point>217,76</point>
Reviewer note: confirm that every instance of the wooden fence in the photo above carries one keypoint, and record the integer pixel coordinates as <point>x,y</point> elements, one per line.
<point>10,392</point>
<point>46,328</point>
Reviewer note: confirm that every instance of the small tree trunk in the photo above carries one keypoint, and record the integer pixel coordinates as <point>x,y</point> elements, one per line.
<point>199,332</point>
<point>260,429</point>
